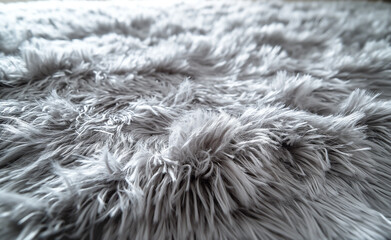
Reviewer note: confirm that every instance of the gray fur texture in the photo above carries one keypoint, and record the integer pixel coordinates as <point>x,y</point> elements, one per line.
<point>212,120</point>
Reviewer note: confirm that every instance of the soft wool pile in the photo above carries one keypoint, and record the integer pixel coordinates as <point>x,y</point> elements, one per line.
<point>195,121</point>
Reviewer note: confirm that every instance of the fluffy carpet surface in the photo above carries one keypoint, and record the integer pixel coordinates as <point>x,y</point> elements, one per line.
<point>195,121</point>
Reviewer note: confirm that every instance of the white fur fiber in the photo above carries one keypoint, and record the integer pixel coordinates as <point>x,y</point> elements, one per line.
<point>207,120</point>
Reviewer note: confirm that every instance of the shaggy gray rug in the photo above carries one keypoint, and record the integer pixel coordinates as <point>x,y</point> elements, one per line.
<point>195,121</point>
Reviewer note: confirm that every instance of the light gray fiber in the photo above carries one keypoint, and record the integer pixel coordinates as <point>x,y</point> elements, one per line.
<point>205,120</point>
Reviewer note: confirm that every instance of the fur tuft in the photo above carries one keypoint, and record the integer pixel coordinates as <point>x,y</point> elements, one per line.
<point>215,120</point>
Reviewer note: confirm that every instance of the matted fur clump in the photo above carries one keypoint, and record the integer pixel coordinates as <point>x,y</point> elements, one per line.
<point>195,121</point>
